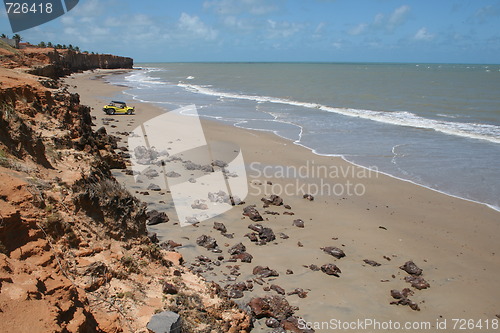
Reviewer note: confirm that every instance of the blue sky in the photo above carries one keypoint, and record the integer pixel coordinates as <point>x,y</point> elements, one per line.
<point>280,30</point>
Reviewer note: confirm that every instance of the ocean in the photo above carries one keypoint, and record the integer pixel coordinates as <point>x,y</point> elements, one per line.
<point>436,125</point>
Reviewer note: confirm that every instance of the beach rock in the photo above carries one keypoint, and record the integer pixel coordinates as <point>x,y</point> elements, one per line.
<point>270,307</point>
<point>237,249</point>
<point>172,174</point>
<point>207,168</point>
<point>155,217</point>
<point>165,322</point>
<point>220,227</point>
<point>283,235</point>
<point>299,292</point>
<point>313,267</point>
<point>169,288</point>
<point>271,212</point>
<point>153,187</point>
<point>278,289</point>
<point>144,155</point>
<point>199,204</point>
<point>289,271</point>
<point>287,206</point>
<point>371,262</point>
<point>272,323</point>
<point>243,257</point>
<point>252,236</point>
<point>220,197</point>
<point>402,298</point>
<point>150,173</point>
<point>267,235</point>
<point>417,282</point>
<point>334,251</point>
<point>410,268</point>
<point>295,325</point>
<point>288,213</point>
<point>169,245</point>
<point>255,227</point>
<point>273,199</point>
<point>234,293</point>
<point>252,213</point>
<point>308,197</point>
<point>219,163</point>
<point>207,242</point>
<point>298,223</point>
<point>192,180</point>
<point>331,269</point>
<point>191,166</point>
<point>264,272</point>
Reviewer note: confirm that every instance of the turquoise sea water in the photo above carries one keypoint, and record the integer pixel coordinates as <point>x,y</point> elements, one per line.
<point>433,124</point>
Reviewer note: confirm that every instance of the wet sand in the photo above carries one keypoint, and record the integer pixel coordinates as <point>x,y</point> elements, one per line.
<point>383,219</point>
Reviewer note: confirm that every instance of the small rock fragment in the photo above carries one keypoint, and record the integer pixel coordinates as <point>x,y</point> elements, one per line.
<point>331,269</point>
<point>334,251</point>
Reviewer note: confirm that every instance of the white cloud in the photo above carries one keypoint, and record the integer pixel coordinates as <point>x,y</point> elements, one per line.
<point>234,7</point>
<point>195,27</point>
<point>423,35</point>
<point>385,22</point>
<point>282,29</point>
<point>359,29</point>
<point>398,17</point>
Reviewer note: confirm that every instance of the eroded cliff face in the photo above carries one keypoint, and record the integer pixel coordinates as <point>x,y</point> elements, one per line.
<point>65,62</point>
<point>74,252</point>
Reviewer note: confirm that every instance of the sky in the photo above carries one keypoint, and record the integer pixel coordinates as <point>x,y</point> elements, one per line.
<point>432,31</point>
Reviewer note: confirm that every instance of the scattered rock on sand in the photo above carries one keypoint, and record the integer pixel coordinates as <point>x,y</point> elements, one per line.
<point>264,272</point>
<point>298,223</point>
<point>299,292</point>
<point>155,217</point>
<point>237,249</point>
<point>219,163</point>
<point>199,204</point>
<point>402,298</point>
<point>278,289</point>
<point>308,197</point>
<point>172,174</point>
<point>252,236</point>
<point>154,187</point>
<point>312,267</point>
<point>243,257</point>
<point>334,251</point>
<point>252,213</point>
<point>220,227</point>
<point>273,199</point>
<point>169,245</point>
<point>150,173</point>
<point>207,242</point>
<point>271,307</point>
<point>410,268</point>
<point>266,235</point>
<point>331,269</point>
<point>417,282</point>
<point>272,323</point>
<point>371,262</point>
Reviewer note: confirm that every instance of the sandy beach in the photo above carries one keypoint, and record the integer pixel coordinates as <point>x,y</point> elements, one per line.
<point>368,215</point>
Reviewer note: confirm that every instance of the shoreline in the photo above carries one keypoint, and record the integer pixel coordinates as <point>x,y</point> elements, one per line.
<point>313,150</point>
<point>418,223</point>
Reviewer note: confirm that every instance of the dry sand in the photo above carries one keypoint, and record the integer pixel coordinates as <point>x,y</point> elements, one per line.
<point>454,241</point>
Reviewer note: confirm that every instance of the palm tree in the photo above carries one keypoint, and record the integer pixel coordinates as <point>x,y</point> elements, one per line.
<point>42,44</point>
<point>49,44</point>
<point>17,37</point>
<point>3,36</point>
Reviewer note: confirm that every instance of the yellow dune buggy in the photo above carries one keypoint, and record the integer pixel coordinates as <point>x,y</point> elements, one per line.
<point>117,107</point>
